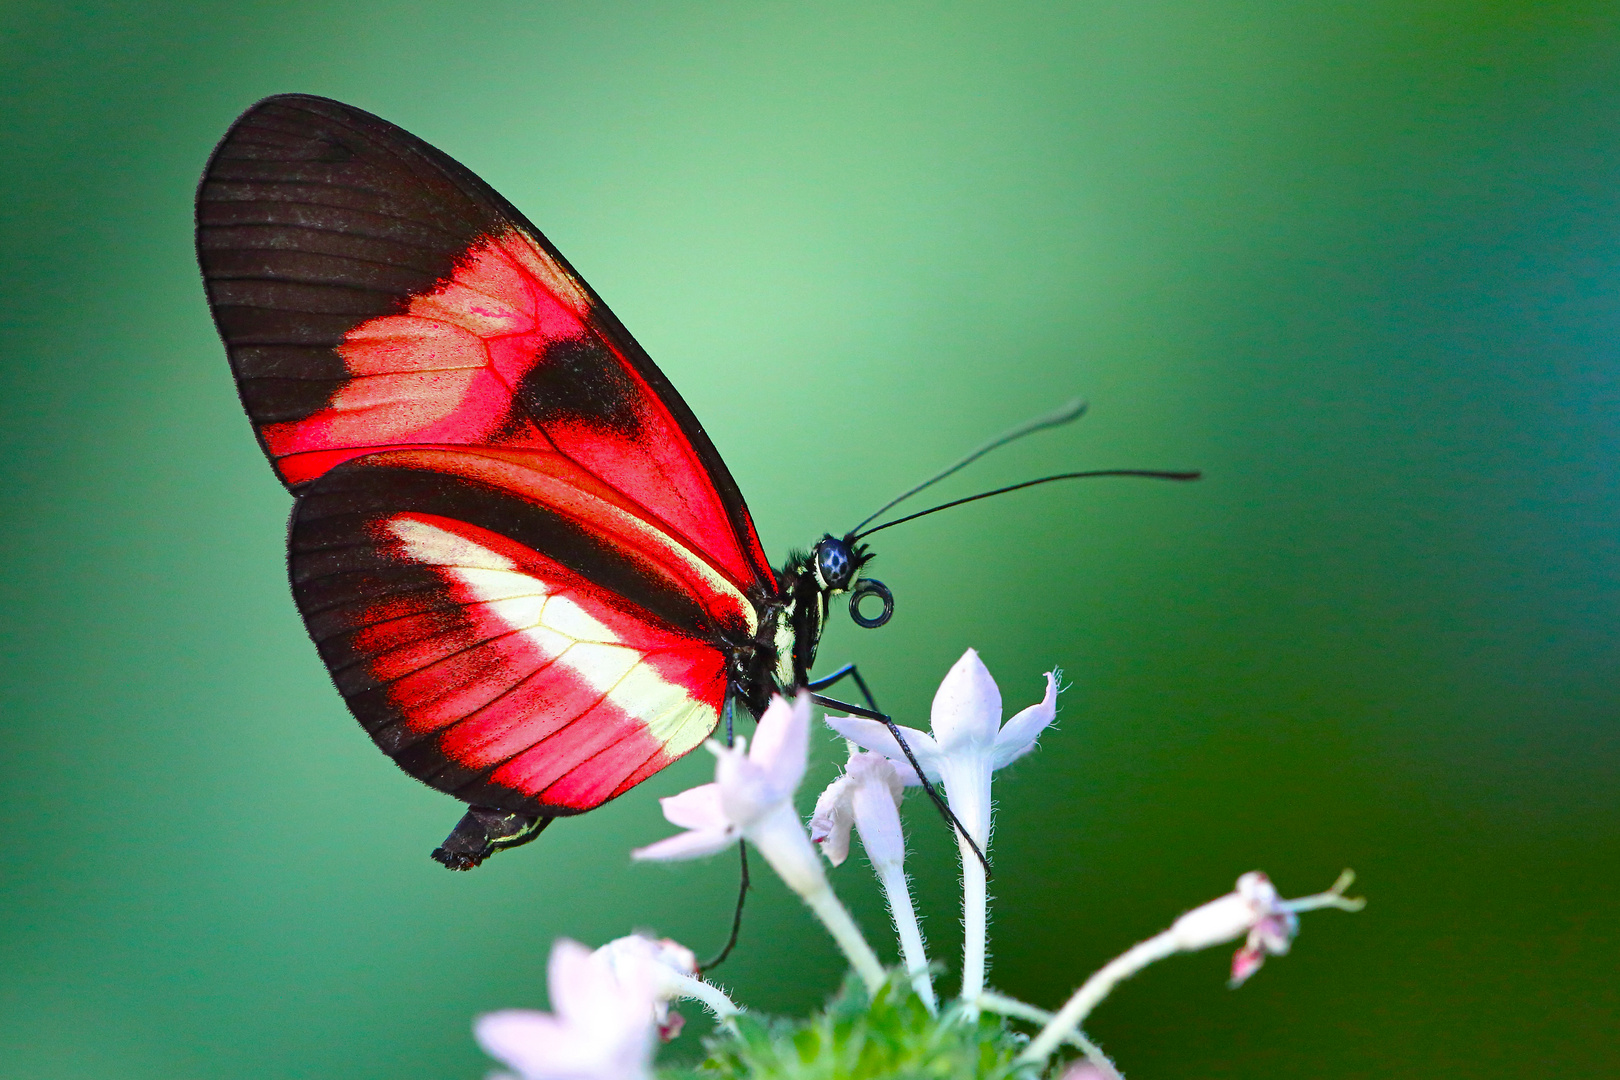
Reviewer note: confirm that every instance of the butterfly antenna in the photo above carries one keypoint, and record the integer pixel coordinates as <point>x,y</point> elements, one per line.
<point>1069,412</point>
<point>1151,474</point>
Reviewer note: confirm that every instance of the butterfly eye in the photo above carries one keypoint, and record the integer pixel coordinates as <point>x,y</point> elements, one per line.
<point>871,587</point>
<point>835,564</point>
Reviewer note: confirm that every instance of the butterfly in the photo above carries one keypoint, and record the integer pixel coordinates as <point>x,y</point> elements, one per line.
<point>530,574</point>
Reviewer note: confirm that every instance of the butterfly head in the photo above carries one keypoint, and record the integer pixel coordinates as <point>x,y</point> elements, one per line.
<point>836,563</point>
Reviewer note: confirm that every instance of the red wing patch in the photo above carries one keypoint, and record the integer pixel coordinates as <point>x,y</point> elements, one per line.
<point>445,372</point>
<point>502,355</point>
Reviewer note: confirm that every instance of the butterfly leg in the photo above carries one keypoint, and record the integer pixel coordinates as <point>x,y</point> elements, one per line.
<point>928,786</point>
<point>730,712</point>
<point>847,671</point>
<point>483,831</point>
<point>736,916</point>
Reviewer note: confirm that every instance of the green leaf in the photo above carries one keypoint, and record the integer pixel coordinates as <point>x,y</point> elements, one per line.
<point>889,1037</point>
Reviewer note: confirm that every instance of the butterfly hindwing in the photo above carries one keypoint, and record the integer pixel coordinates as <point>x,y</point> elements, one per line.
<point>496,673</point>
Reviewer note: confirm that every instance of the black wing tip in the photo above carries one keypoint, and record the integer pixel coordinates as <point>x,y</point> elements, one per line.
<point>306,102</point>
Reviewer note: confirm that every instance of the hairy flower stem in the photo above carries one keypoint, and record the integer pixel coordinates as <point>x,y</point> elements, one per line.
<point>1253,908</point>
<point>711,997</point>
<point>782,840</point>
<point>1068,1019</point>
<point>1018,1010</point>
<point>975,916</point>
<point>898,891</point>
<point>835,918</point>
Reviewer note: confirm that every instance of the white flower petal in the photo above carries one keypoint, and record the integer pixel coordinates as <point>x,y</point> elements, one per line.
<point>1274,933</point>
<point>873,735</point>
<point>877,770</point>
<point>671,969</point>
<point>747,792</point>
<point>1261,894</point>
<point>522,1039</point>
<point>695,808</point>
<point>877,816</point>
<point>574,981</point>
<point>867,734</point>
<point>720,749</point>
<point>749,787</point>
<point>692,844</point>
<point>605,1008</point>
<point>832,820</point>
<point>1017,736</point>
<point>782,742</point>
<point>967,705</point>
<point>666,966</point>
<point>675,956</point>
<point>601,1027</point>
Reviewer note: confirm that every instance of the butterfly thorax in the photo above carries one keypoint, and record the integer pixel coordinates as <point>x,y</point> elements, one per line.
<point>780,659</point>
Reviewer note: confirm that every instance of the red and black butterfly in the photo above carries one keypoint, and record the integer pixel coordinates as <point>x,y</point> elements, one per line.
<point>530,573</point>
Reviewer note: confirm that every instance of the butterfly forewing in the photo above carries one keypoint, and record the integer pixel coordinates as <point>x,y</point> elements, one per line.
<point>374,293</point>
<point>520,555</point>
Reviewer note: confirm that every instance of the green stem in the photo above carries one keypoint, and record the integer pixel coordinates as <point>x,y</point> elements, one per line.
<point>1018,1010</point>
<point>1068,1019</point>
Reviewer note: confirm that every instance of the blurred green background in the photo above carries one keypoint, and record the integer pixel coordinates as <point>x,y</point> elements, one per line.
<point>1357,261</point>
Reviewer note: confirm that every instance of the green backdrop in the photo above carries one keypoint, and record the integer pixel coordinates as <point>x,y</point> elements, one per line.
<point>1358,262</point>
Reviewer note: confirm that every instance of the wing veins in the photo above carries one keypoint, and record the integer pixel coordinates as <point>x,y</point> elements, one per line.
<point>317,229</point>
<point>290,280</point>
<point>324,206</point>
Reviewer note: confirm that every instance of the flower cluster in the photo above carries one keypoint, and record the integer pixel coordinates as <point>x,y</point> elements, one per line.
<point>965,745</point>
<point>612,1005</point>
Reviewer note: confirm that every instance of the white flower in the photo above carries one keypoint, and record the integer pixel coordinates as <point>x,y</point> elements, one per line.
<point>752,797</point>
<point>673,970</point>
<point>867,797</point>
<point>1254,909</point>
<point>668,962</point>
<point>968,742</point>
<point>601,1026</point>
